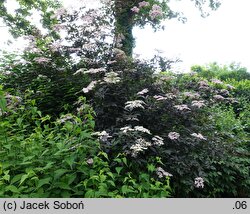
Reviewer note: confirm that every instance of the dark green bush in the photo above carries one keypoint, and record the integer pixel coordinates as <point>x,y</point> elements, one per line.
<point>40,157</point>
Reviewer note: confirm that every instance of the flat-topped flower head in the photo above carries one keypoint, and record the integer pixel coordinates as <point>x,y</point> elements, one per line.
<point>126,129</point>
<point>218,97</point>
<point>42,60</point>
<point>182,107</point>
<point>90,87</point>
<point>173,135</point>
<point>159,97</point>
<point>162,173</point>
<point>157,140</point>
<point>143,4</point>
<point>198,103</point>
<point>199,136</point>
<point>130,105</point>
<point>199,182</point>
<point>141,129</point>
<point>142,92</point>
<point>112,78</point>
<point>135,9</point>
<point>191,95</point>
<point>155,12</point>
<point>216,81</point>
<point>103,136</point>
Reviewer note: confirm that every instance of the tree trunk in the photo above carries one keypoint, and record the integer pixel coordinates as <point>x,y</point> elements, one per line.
<point>124,24</point>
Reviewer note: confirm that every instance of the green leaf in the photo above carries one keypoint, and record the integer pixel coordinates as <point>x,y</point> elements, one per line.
<point>43,182</point>
<point>23,178</point>
<point>12,189</point>
<point>89,194</point>
<point>118,170</point>
<point>151,168</point>
<point>104,155</point>
<point>58,173</point>
<point>125,161</point>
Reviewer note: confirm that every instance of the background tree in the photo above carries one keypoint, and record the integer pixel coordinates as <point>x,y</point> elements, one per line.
<point>130,13</point>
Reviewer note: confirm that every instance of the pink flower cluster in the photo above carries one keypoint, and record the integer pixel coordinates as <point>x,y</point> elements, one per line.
<point>42,60</point>
<point>135,9</point>
<point>143,4</point>
<point>155,12</point>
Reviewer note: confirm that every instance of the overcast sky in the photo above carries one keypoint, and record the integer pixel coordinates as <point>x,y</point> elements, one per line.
<point>222,37</point>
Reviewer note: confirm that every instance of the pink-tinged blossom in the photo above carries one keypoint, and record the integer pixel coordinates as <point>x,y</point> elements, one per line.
<point>218,97</point>
<point>59,12</point>
<point>135,9</point>
<point>203,84</point>
<point>199,136</point>
<point>155,12</point>
<point>224,92</point>
<point>230,86</point>
<point>55,46</point>
<point>143,4</point>
<point>89,87</point>
<point>191,95</point>
<point>170,96</point>
<point>94,71</point>
<point>159,97</point>
<point>216,81</point>
<point>74,49</point>
<point>199,182</point>
<point>173,135</point>
<point>162,173</point>
<point>142,92</point>
<point>198,103</point>
<point>182,107</point>
<point>42,60</point>
<point>111,62</point>
<point>58,27</point>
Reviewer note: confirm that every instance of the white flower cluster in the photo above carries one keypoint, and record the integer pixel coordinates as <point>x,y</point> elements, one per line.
<point>90,87</point>
<point>141,129</point>
<point>162,173</point>
<point>140,145</point>
<point>199,135</point>
<point>173,135</point>
<point>136,128</point>
<point>143,4</point>
<point>216,81</point>
<point>191,95</point>
<point>103,136</point>
<point>199,182</point>
<point>130,105</point>
<point>203,84</point>
<point>111,77</point>
<point>42,60</point>
<point>182,107</point>
<point>198,103</point>
<point>218,97</point>
<point>90,71</point>
<point>159,97</point>
<point>157,140</point>
<point>65,118</point>
<point>142,92</point>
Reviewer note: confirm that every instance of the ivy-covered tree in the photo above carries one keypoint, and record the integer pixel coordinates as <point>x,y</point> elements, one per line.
<point>130,13</point>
